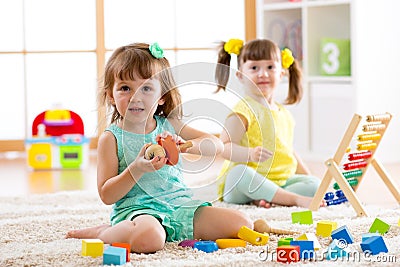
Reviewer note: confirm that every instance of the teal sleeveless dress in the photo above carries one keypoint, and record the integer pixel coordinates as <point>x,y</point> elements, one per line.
<point>161,193</point>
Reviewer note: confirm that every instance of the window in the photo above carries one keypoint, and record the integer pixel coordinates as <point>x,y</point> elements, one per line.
<point>51,54</point>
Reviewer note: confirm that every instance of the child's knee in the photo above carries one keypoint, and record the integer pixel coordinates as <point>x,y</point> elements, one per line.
<point>147,235</point>
<point>242,219</point>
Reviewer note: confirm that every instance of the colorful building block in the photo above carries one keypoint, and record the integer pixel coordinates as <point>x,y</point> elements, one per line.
<point>302,217</point>
<point>230,243</point>
<point>114,256</point>
<point>188,243</point>
<point>325,228</point>
<point>368,235</point>
<point>374,245</point>
<point>284,241</point>
<point>311,237</point>
<point>127,247</point>
<point>342,233</point>
<point>92,247</point>
<point>306,248</point>
<point>253,237</point>
<point>398,224</point>
<point>379,226</point>
<point>288,254</point>
<point>206,246</point>
<point>336,250</point>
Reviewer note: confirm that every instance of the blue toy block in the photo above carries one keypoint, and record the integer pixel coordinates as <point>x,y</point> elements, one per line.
<point>302,217</point>
<point>379,226</point>
<point>336,250</point>
<point>374,245</point>
<point>114,256</point>
<point>206,246</point>
<point>306,248</point>
<point>368,235</point>
<point>342,233</point>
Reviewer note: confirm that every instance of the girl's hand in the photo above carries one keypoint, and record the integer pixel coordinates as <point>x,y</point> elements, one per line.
<point>259,154</point>
<point>144,165</point>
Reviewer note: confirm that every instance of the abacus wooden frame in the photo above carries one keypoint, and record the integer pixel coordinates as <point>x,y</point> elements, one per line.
<point>333,171</point>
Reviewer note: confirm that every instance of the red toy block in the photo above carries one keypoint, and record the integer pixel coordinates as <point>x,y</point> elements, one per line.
<point>288,254</point>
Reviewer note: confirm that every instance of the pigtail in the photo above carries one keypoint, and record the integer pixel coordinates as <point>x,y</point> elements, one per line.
<point>295,84</point>
<point>222,69</point>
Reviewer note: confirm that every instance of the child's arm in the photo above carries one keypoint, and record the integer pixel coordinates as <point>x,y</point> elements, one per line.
<point>301,166</point>
<point>203,143</point>
<point>235,128</point>
<point>111,185</point>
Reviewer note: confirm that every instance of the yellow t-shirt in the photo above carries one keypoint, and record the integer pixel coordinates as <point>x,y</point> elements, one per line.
<point>271,129</point>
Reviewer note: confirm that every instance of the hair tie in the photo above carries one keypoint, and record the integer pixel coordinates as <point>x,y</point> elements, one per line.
<point>156,51</point>
<point>287,58</point>
<point>233,46</point>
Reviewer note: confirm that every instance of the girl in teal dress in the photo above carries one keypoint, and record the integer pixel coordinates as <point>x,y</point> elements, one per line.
<point>150,202</point>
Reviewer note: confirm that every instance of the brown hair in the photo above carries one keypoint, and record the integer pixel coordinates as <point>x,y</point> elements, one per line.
<point>259,49</point>
<point>135,60</point>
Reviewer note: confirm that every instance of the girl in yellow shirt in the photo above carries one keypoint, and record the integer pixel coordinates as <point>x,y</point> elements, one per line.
<point>261,165</point>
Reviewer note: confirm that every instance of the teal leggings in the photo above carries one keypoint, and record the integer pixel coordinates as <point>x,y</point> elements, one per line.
<point>243,185</point>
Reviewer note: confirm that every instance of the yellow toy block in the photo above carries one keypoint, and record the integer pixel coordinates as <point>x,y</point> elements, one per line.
<point>310,237</point>
<point>230,243</point>
<point>253,237</point>
<point>92,247</point>
<point>398,223</point>
<point>325,228</point>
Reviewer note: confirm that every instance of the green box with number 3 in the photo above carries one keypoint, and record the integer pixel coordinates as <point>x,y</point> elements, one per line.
<point>335,57</point>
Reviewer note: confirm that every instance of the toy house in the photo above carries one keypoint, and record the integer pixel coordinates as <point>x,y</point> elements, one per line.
<point>57,141</point>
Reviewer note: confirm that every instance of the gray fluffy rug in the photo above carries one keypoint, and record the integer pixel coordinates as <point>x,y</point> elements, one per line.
<point>32,231</point>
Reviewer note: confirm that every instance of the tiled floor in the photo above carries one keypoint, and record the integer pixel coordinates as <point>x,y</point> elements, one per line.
<point>17,179</point>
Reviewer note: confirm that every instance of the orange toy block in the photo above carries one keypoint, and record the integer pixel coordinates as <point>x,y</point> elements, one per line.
<point>127,247</point>
<point>325,228</point>
<point>288,254</point>
<point>92,247</point>
<point>253,237</point>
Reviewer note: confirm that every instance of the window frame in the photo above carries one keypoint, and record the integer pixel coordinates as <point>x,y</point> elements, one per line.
<point>19,145</point>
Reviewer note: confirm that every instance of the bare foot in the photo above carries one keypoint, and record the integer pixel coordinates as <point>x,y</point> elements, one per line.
<point>305,202</point>
<point>91,232</point>
<point>262,203</point>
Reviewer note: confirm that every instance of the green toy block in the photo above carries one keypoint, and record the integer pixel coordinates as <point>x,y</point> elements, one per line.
<point>302,217</point>
<point>285,241</point>
<point>379,226</point>
<point>325,228</point>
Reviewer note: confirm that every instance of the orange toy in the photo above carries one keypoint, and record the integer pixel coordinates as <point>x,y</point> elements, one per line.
<point>166,147</point>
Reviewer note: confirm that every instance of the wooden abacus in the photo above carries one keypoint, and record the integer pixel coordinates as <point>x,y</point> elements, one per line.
<point>357,163</point>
